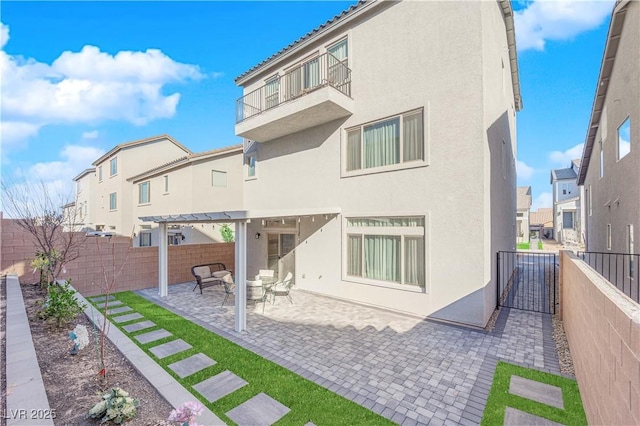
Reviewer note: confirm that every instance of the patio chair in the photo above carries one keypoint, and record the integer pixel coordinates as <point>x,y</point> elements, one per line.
<point>209,274</point>
<point>256,292</point>
<point>283,288</point>
<point>229,287</point>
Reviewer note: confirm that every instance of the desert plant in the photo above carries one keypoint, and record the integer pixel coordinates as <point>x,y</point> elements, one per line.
<point>60,305</point>
<point>227,233</point>
<point>116,406</point>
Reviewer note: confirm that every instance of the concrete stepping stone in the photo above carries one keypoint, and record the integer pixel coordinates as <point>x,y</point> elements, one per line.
<point>191,365</point>
<point>102,298</point>
<point>125,318</point>
<point>515,417</point>
<point>137,326</point>
<point>112,303</point>
<point>170,348</point>
<point>152,336</point>
<point>259,410</point>
<point>118,310</point>
<point>219,386</point>
<point>536,391</point>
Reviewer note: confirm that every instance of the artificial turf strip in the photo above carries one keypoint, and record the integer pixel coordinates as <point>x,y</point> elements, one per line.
<point>308,401</point>
<point>500,398</point>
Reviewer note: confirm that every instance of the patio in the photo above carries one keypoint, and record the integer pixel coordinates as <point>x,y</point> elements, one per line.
<point>407,369</point>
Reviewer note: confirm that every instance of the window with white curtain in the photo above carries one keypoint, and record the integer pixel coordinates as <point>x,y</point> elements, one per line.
<point>113,167</point>
<point>394,140</point>
<point>250,165</point>
<point>145,239</point>
<point>338,62</point>
<point>386,250</point>
<point>272,92</point>
<point>143,193</point>
<point>113,201</point>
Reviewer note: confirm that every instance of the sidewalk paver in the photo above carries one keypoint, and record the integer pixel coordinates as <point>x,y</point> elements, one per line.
<point>259,410</point>
<point>191,365</point>
<point>99,299</point>
<point>125,318</point>
<point>170,348</point>
<point>220,385</point>
<point>119,310</point>
<point>515,417</point>
<point>137,326</point>
<point>536,391</point>
<point>152,336</point>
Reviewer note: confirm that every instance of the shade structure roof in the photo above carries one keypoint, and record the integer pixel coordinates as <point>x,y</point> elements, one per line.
<point>238,215</point>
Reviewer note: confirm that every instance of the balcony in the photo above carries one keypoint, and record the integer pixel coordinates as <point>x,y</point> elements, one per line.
<point>315,92</point>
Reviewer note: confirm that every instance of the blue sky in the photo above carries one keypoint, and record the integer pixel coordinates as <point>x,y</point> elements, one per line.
<point>81,77</point>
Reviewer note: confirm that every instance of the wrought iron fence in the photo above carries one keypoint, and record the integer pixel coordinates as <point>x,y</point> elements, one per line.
<point>620,269</point>
<point>321,71</point>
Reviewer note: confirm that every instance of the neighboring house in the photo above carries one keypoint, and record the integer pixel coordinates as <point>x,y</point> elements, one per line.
<point>386,158</point>
<point>541,223</point>
<point>114,195</point>
<point>611,158</point>
<point>567,209</point>
<point>206,181</point>
<point>85,199</point>
<point>523,204</point>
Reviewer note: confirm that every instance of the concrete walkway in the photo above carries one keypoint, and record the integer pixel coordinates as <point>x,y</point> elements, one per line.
<point>406,369</point>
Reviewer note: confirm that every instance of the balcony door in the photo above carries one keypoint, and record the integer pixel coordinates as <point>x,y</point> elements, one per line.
<point>281,253</point>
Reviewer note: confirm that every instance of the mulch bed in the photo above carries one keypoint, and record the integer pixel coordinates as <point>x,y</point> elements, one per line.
<point>71,382</point>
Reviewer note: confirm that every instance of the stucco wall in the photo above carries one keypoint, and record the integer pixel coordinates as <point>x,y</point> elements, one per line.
<point>616,198</point>
<point>603,330</point>
<point>141,267</point>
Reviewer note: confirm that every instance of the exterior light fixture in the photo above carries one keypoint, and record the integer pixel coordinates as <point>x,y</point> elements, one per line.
<point>257,235</point>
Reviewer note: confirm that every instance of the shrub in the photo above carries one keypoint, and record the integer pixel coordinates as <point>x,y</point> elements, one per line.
<point>116,405</point>
<point>186,414</point>
<point>60,305</point>
<point>227,233</point>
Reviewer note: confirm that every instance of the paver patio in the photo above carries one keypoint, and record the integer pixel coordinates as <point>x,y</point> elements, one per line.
<point>409,370</point>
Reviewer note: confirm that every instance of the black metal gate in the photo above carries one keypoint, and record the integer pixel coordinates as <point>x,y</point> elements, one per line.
<point>528,281</point>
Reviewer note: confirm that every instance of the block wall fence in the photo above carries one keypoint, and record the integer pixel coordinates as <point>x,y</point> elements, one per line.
<point>603,330</point>
<point>140,269</point>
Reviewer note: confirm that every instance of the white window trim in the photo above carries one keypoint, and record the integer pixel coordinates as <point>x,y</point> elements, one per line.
<point>618,158</point>
<point>165,183</point>
<point>116,173</point>
<point>590,200</point>
<point>246,167</point>
<point>140,193</point>
<point>226,178</point>
<point>402,231</point>
<point>391,167</point>
<point>100,177</point>
<point>146,232</point>
<point>116,199</point>
<point>608,236</point>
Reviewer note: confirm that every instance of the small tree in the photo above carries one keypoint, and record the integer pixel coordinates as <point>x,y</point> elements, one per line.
<point>45,213</point>
<point>227,233</point>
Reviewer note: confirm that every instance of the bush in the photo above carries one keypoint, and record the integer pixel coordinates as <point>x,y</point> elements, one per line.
<point>116,405</point>
<point>61,306</point>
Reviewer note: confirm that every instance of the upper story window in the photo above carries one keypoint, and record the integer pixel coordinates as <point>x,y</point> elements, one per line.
<point>250,165</point>
<point>624,138</point>
<point>394,140</point>
<point>272,92</point>
<point>144,197</point>
<point>166,183</point>
<point>601,159</point>
<point>113,167</point>
<point>99,173</point>
<point>338,62</point>
<point>78,187</point>
<point>113,201</point>
<point>218,178</point>
<point>565,187</point>
<point>590,200</point>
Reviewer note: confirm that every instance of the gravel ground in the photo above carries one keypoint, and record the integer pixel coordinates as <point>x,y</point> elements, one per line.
<point>562,347</point>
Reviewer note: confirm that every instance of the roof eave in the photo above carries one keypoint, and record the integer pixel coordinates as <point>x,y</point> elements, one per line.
<point>507,13</point>
<point>121,146</point>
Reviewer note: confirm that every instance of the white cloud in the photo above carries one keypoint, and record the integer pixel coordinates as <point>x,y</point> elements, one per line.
<point>4,35</point>
<point>542,21</point>
<point>524,171</point>
<point>74,159</point>
<point>563,158</point>
<point>14,132</point>
<point>88,87</point>
<point>90,135</point>
<point>544,200</point>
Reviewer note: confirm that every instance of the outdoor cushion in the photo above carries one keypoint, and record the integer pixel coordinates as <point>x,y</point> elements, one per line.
<point>202,272</point>
<point>220,274</point>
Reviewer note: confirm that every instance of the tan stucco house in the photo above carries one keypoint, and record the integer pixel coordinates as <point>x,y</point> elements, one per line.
<point>386,157</point>
<point>610,172</point>
<point>523,204</point>
<point>568,213</point>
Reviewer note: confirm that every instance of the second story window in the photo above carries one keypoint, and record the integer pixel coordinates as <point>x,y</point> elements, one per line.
<point>218,179</point>
<point>113,201</point>
<point>166,183</point>
<point>601,159</point>
<point>338,62</point>
<point>395,140</point>
<point>272,92</point>
<point>99,173</point>
<point>624,138</point>
<point>113,167</point>
<point>250,165</point>
<point>143,193</point>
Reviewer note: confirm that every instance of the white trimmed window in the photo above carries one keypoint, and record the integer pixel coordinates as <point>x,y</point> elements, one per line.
<point>608,236</point>
<point>144,196</point>
<point>166,183</point>
<point>624,138</point>
<point>145,239</point>
<point>99,173</point>
<point>113,201</point>
<point>590,200</point>
<point>218,178</point>
<point>113,167</point>
<point>386,250</point>
<point>250,165</point>
<point>601,159</point>
<point>387,142</point>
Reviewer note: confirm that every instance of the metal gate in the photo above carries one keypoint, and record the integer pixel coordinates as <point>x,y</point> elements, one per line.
<point>528,281</point>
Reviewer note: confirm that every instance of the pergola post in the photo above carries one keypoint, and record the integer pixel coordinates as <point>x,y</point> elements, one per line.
<point>241,276</point>
<point>163,263</point>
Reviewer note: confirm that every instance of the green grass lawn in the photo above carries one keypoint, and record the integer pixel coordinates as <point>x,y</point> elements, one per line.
<point>522,246</point>
<point>307,400</point>
<point>539,245</point>
<point>500,398</point>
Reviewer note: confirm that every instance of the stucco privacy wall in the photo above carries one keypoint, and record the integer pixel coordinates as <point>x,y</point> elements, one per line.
<point>140,270</point>
<point>603,330</point>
